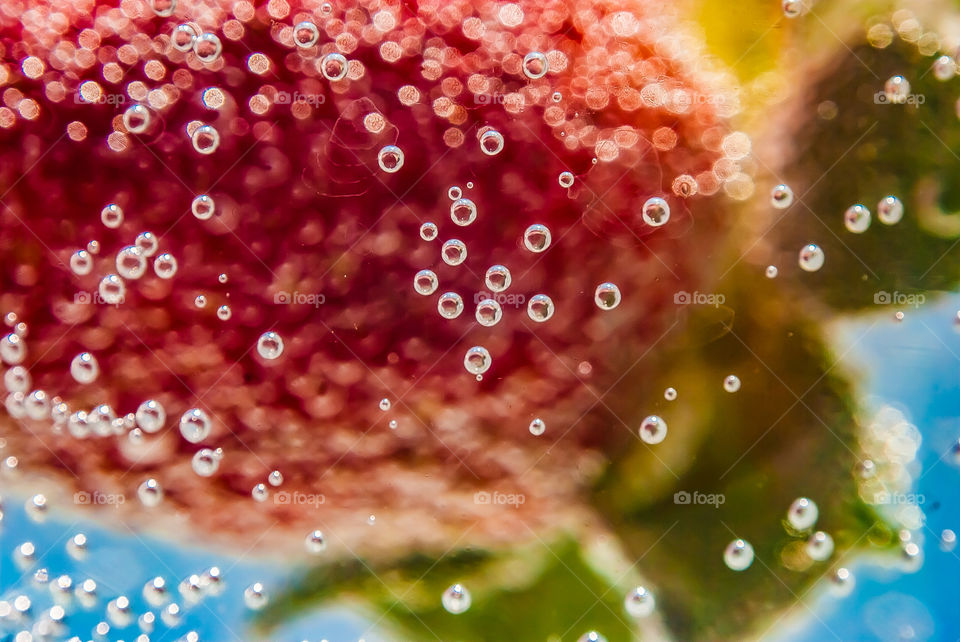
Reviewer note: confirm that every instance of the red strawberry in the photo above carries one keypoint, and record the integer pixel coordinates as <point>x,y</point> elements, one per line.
<point>320,245</point>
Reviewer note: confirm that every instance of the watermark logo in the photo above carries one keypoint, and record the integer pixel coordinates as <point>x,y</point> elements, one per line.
<point>296,498</point>
<point>898,298</point>
<point>898,499</point>
<point>516,300</point>
<point>287,98</point>
<point>497,498</point>
<point>96,498</point>
<point>881,98</point>
<point>488,99</point>
<point>299,298</point>
<point>696,498</point>
<point>94,298</point>
<point>698,298</point>
<point>103,99</point>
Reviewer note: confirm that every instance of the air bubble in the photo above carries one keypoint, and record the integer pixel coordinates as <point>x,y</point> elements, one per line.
<point>463,211</point>
<point>150,493</point>
<point>819,546</point>
<point>270,345</point>
<point>131,263</point>
<point>183,37</point>
<point>315,542</point>
<point>450,305</point>
<point>112,216</point>
<point>944,68</point>
<point>195,425</point>
<point>147,243</point>
<point>811,257</point>
<point>889,210</point>
<point>275,478</point>
<point>163,8</point>
<point>656,211</point>
<point>165,266</point>
<point>537,427</point>
<point>477,360</point>
<point>535,65</point>
<point>842,582</point>
<point>565,179</point>
<point>670,394</point>
<point>136,119</point>
<point>738,555</point>
<point>260,492</point>
<point>306,34</point>
<point>591,636</point>
<point>456,599</point>
<point>207,46</point>
<point>205,139</point>
<point>731,383</point>
<point>224,313</point>
<point>255,596</point>
<point>802,514</point>
<point>425,282</point>
<point>390,159</point>
<point>488,313</point>
<point>454,193</point>
<point>607,296</point>
<point>205,462</point>
<point>112,289</point>
<point>540,308</point>
<point>793,8</point>
<point>84,368</point>
<point>498,278</point>
<point>491,142</point>
<point>200,301</point>
<point>857,218</point>
<point>334,67</point>
<point>537,238</point>
<point>653,429</point>
<point>202,206</point>
<point>16,379</point>
<point>781,196</point>
<point>897,89</point>
<point>453,252</point>
<point>81,263</point>
<point>384,404</point>
<point>771,272</point>
<point>428,231</point>
<point>639,603</point>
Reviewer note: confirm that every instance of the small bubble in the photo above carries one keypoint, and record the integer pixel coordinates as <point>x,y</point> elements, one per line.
<point>498,278</point>
<point>195,425</point>
<point>793,8</point>
<point>537,427</point>
<point>771,272</point>
<point>306,34</point>
<point>77,546</point>
<point>639,603</point>
<point>163,8</point>
<point>897,89</point>
<point>334,67</point>
<point>857,218</point>
<point>477,360</point>
<point>112,289</point>
<point>565,179</point>
<point>151,416</point>
<point>393,424</point>
<point>731,383</point>
<point>456,599</point>
<point>223,278</point>
<point>607,296</point>
<point>738,555</point>
<point>255,597</point>
<point>453,252</point>
<point>93,247</point>
<point>205,462</point>
<point>202,206</point>
<point>656,211</point>
<point>17,379</point>
<point>200,301</point>
<point>390,159</point>
<point>653,429</point>
<point>385,404</point>
<point>112,216</point>
<point>454,193</point>
<point>315,542</point>
<point>488,312</point>
<point>428,231</point>
<point>183,37</point>
<point>819,546</point>
<point>207,46</point>
<point>275,478</point>
<point>205,139</point>
<point>537,238</point>
<point>150,493</point>
<point>781,196</point>
<point>131,262</point>
<point>944,68</point>
<point>260,493</point>
<point>81,263</point>
<point>463,211</point>
<point>425,282</point>
<point>36,508</point>
<point>270,345</point>
<point>889,210</point>
<point>842,582</point>
<point>450,305</point>
<point>540,308</point>
<point>811,257</point>
<point>802,514</point>
<point>535,65</point>
<point>491,142</point>
<point>224,312</point>
<point>591,636</point>
<point>136,118</point>
<point>147,243</point>
<point>84,368</point>
<point>670,394</point>
<point>556,96</point>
